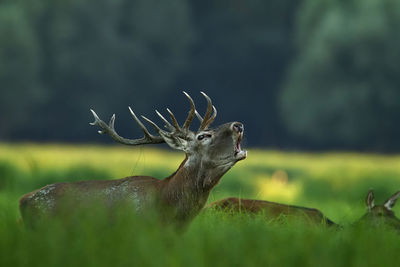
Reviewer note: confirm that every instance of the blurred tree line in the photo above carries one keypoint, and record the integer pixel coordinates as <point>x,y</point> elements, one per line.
<point>310,74</point>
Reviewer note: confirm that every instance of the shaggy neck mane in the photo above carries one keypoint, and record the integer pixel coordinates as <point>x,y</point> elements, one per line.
<point>188,188</point>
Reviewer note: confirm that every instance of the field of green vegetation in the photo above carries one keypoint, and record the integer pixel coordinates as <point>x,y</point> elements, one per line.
<point>335,183</point>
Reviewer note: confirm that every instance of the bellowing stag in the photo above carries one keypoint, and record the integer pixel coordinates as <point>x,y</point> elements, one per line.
<point>210,153</point>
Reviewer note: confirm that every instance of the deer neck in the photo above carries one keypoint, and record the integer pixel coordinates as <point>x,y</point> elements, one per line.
<point>187,190</point>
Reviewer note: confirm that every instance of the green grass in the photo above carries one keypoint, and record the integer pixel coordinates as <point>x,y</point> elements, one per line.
<point>335,183</point>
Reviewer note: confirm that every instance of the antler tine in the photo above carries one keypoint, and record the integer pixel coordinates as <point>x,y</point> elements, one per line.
<point>97,121</point>
<point>141,125</point>
<point>212,118</point>
<point>198,116</point>
<point>167,124</point>
<point>208,112</point>
<point>158,130</point>
<point>109,129</point>
<point>174,121</point>
<point>191,114</point>
<point>112,120</point>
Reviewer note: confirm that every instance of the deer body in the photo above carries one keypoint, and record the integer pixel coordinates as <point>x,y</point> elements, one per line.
<point>272,210</point>
<point>210,153</point>
<point>50,199</point>
<point>376,215</point>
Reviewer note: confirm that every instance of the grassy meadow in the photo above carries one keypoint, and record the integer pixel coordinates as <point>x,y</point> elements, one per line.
<point>335,183</point>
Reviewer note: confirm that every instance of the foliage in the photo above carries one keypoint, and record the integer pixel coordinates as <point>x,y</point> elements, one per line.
<point>109,54</point>
<point>343,86</point>
<point>102,54</point>
<point>311,74</point>
<point>19,68</point>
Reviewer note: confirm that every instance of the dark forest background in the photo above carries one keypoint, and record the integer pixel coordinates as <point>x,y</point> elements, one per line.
<point>301,74</point>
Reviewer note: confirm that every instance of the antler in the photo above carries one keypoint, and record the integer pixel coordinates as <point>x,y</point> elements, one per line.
<point>174,128</point>
<point>109,129</point>
<point>208,118</point>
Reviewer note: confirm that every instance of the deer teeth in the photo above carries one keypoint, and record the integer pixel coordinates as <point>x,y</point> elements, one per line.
<point>237,145</point>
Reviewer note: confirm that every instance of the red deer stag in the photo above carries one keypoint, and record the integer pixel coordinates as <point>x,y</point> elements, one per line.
<point>272,210</point>
<point>210,153</point>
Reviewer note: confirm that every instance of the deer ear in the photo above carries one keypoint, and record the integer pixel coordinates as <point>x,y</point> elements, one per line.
<point>389,204</point>
<point>370,199</point>
<point>175,142</point>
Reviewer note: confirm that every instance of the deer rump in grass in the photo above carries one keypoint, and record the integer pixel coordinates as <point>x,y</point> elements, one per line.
<point>210,153</point>
<point>376,216</point>
<point>272,210</point>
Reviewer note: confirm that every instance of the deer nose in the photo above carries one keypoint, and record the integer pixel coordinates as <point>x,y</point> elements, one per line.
<point>238,127</point>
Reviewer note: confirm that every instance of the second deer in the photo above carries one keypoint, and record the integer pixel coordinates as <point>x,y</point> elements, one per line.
<point>380,215</point>
<point>376,215</point>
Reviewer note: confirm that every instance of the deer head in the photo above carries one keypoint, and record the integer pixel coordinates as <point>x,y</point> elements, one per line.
<point>213,150</point>
<point>381,214</point>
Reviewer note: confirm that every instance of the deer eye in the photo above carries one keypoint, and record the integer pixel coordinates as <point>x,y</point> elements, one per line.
<point>202,136</point>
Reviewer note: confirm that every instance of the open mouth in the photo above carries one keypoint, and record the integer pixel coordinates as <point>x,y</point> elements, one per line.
<point>238,152</point>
